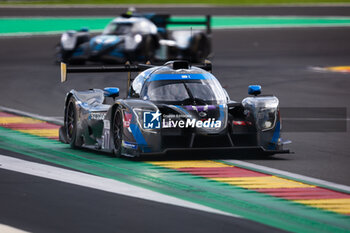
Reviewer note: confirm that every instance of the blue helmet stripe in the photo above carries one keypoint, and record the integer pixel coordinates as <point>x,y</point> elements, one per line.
<point>158,77</point>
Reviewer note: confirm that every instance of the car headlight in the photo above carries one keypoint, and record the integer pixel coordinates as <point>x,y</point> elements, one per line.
<point>68,40</point>
<point>131,42</point>
<point>264,110</point>
<point>266,118</point>
<point>138,38</point>
<point>139,115</point>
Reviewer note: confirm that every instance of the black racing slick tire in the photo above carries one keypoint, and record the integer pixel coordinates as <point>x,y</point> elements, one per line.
<point>199,48</point>
<point>58,54</point>
<point>149,48</point>
<point>70,123</point>
<point>117,132</point>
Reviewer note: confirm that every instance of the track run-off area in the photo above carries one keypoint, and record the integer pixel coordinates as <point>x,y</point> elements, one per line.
<point>48,25</point>
<point>278,201</point>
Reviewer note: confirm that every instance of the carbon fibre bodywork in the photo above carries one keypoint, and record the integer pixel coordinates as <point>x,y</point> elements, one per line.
<point>141,124</point>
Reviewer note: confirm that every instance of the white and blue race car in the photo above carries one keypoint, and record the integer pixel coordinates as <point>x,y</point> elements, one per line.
<point>136,38</point>
<point>175,108</point>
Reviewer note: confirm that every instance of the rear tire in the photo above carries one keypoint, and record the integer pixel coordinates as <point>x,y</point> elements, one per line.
<point>149,48</point>
<point>58,54</point>
<point>70,123</point>
<point>118,132</point>
<point>200,48</point>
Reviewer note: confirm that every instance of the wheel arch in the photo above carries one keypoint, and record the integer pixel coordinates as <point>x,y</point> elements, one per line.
<point>111,113</point>
<point>75,140</point>
<point>66,101</point>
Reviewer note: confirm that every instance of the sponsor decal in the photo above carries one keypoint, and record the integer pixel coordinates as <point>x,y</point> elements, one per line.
<point>191,123</point>
<point>127,119</point>
<point>106,124</point>
<point>129,145</point>
<point>97,115</point>
<point>151,120</point>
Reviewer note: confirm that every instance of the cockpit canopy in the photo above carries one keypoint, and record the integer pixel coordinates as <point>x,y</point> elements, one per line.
<point>199,91</point>
<point>178,87</point>
<point>124,26</point>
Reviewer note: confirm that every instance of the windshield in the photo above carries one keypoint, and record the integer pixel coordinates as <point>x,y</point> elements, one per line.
<point>118,29</point>
<point>202,91</point>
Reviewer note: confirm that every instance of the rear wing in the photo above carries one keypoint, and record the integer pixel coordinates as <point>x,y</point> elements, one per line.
<point>163,20</point>
<point>65,69</point>
<point>128,68</point>
<point>99,69</point>
<point>206,22</point>
<point>103,69</point>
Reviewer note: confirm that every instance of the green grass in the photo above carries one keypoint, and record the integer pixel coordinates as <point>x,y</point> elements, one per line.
<point>215,2</point>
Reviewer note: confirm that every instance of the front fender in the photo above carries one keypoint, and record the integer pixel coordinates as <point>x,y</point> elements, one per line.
<point>86,102</point>
<point>136,139</point>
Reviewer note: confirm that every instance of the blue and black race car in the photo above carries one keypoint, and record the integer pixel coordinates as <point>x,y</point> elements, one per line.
<point>173,108</point>
<point>136,37</point>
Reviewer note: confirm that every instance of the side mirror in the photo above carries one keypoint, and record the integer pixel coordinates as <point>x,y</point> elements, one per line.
<point>111,92</point>
<point>254,90</point>
<point>227,96</point>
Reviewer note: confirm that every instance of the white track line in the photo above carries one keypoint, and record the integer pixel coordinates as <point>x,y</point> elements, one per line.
<point>49,33</point>
<point>96,182</point>
<point>117,6</point>
<point>55,120</point>
<point>9,229</point>
<point>291,175</point>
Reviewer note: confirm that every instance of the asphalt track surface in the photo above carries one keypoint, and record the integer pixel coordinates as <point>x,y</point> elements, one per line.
<point>278,59</point>
<point>36,204</point>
